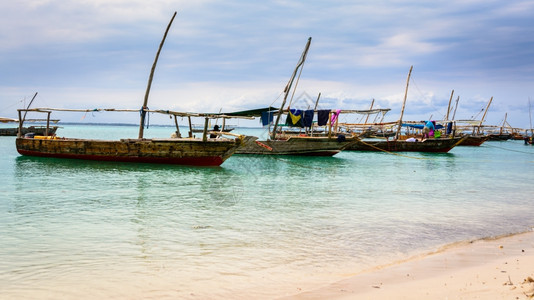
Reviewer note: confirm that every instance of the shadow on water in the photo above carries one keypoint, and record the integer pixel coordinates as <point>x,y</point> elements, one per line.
<point>110,180</point>
<point>98,166</point>
<point>275,163</point>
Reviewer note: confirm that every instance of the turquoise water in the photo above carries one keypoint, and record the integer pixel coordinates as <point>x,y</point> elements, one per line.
<point>256,227</point>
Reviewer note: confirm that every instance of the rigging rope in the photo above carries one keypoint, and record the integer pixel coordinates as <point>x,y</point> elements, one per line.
<point>10,106</point>
<point>147,115</point>
<point>423,95</point>
<point>276,99</point>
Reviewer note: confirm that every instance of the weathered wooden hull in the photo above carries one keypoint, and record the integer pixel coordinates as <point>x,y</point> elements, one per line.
<point>32,129</point>
<point>440,145</point>
<point>303,146</point>
<point>500,137</point>
<point>194,152</point>
<point>472,140</point>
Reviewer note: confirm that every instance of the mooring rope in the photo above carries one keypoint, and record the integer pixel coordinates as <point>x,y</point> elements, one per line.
<point>296,164</point>
<point>507,149</point>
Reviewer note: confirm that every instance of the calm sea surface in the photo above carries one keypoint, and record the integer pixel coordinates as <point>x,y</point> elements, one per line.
<point>256,227</point>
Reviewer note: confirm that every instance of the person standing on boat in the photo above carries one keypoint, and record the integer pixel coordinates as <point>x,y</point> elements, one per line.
<point>429,127</point>
<point>215,128</point>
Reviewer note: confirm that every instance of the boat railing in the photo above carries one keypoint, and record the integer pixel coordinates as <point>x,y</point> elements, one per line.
<point>175,114</point>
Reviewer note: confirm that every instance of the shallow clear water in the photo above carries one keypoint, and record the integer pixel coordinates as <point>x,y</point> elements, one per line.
<point>254,227</point>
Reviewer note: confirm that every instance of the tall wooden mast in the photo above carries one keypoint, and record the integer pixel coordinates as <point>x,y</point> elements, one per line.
<point>22,119</point>
<point>289,84</point>
<point>455,107</point>
<point>530,117</point>
<point>484,115</point>
<point>145,103</point>
<point>367,118</point>
<point>403,104</point>
<point>485,111</point>
<point>449,107</point>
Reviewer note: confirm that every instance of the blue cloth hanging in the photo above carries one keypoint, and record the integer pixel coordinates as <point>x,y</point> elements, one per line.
<point>267,117</point>
<point>307,117</point>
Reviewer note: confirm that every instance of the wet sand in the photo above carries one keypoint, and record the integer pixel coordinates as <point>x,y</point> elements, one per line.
<point>498,268</point>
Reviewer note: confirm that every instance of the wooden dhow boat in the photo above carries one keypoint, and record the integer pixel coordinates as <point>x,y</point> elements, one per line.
<point>433,145</point>
<point>398,144</point>
<point>297,145</point>
<point>33,129</point>
<point>37,130</point>
<point>367,128</point>
<point>205,151</point>
<point>287,143</point>
<point>474,140</point>
<point>474,133</point>
<point>502,134</point>
<point>471,130</point>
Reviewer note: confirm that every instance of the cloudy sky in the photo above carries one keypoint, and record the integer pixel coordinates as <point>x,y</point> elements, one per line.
<point>236,55</point>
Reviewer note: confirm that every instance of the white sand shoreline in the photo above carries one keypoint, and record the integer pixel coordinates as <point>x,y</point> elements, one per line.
<point>490,268</point>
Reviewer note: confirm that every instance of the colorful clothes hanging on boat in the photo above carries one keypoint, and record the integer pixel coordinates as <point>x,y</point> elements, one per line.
<point>267,117</point>
<point>449,128</point>
<point>334,116</point>
<point>294,118</point>
<point>307,117</point>
<point>322,117</point>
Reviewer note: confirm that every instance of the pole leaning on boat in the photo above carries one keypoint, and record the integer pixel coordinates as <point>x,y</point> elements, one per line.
<point>145,103</point>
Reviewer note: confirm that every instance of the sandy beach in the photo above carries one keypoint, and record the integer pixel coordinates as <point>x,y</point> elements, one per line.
<point>498,268</point>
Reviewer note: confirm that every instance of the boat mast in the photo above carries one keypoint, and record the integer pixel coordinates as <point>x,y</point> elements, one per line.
<point>449,107</point>
<point>289,84</point>
<point>455,107</point>
<point>145,103</point>
<point>21,120</point>
<point>530,116</point>
<point>503,123</point>
<point>484,115</point>
<point>370,108</point>
<point>403,104</point>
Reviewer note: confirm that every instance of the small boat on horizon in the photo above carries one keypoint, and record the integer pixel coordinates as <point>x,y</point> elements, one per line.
<point>36,130</point>
<point>33,129</point>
